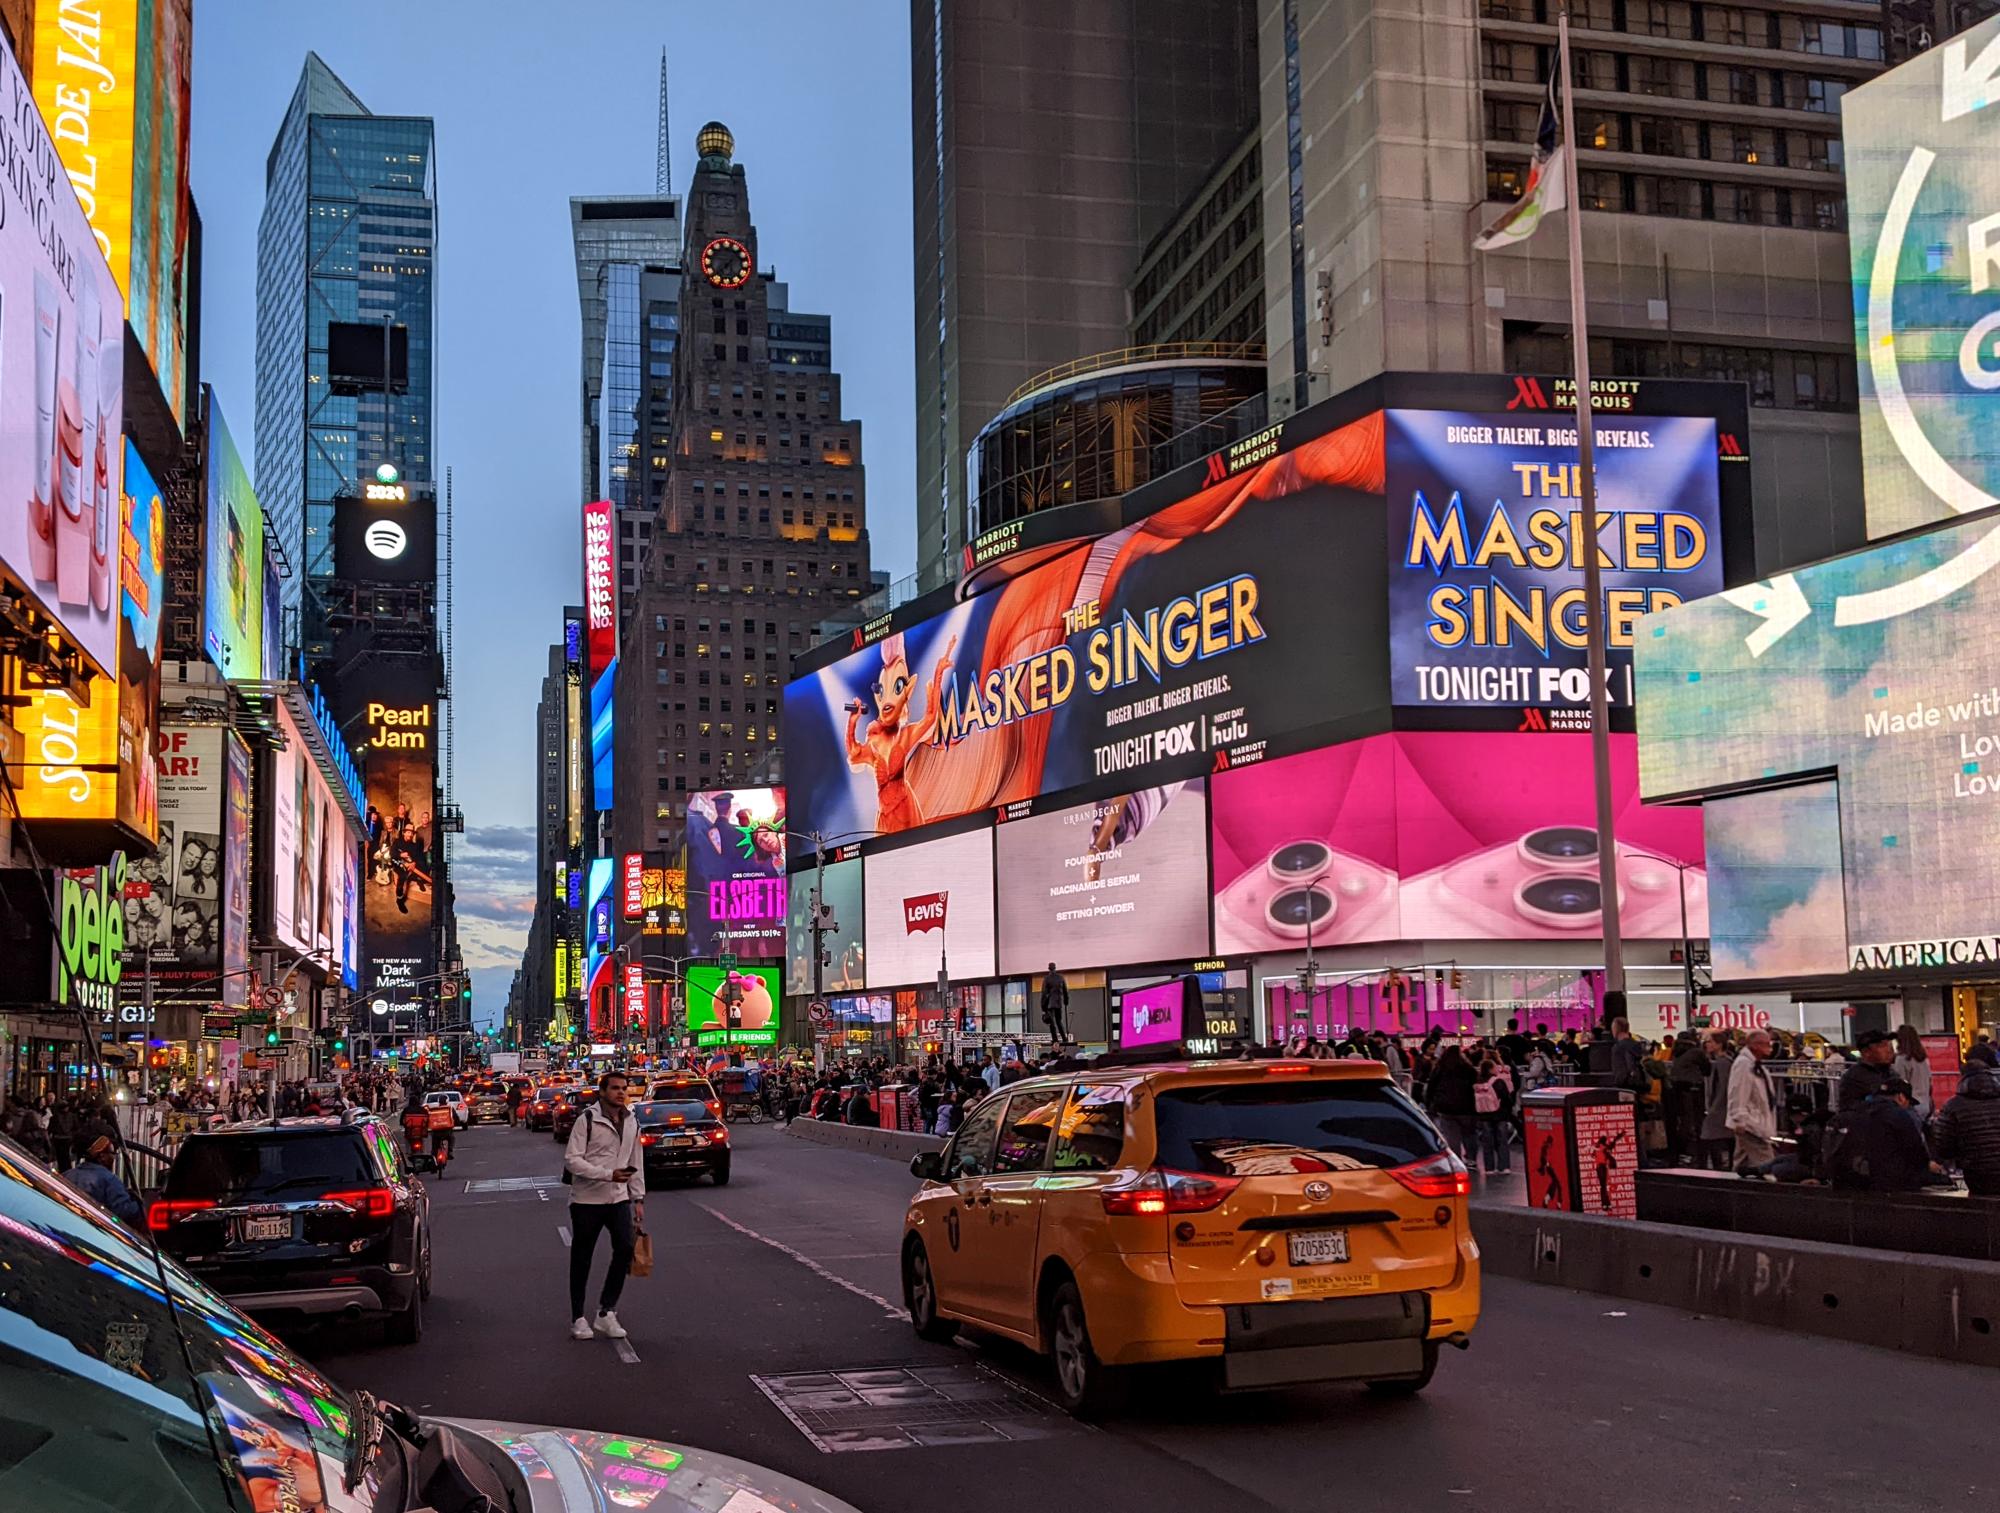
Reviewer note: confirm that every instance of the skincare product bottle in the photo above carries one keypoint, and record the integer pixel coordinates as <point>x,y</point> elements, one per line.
<point>41,503</point>
<point>108,472</point>
<point>72,530</point>
<point>82,501</point>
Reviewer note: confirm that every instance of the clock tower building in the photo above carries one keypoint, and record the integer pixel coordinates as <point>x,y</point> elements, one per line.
<point>761,533</point>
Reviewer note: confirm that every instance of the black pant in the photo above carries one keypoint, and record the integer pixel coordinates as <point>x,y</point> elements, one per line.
<point>587,1221</point>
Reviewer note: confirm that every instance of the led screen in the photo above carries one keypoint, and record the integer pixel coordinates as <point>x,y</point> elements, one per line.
<point>1203,627</point>
<point>174,895</point>
<point>308,837</point>
<point>142,555</point>
<point>927,905</point>
<point>1110,883</point>
<point>1442,836</point>
<point>1774,897</point>
<point>233,593</point>
<point>1152,1016</point>
<point>753,1019</point>
<point>1486,601</point>
<point>1921,188</point>
<point>1874,667</point>
<point>736,872</point>
<point>235,871</point>
<point>396,716</point>
<point>62,364</point>
<point>841,946</point>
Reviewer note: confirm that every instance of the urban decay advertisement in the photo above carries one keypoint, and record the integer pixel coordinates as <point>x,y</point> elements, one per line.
<point>62,367</point>
<point>736,872</point>
<point>1201,630</point>
<point>1486,601</point>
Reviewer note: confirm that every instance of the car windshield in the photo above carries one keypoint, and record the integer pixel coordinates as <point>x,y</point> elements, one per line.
<point>235,1168</point>
<point>668,1110</point>
<point>1267,1128</point>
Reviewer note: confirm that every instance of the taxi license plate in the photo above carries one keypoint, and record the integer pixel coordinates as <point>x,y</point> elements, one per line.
<point>1316,1247</point>
<point>267,1229</point>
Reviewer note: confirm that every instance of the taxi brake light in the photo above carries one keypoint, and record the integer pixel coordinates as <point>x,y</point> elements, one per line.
<point>1439,1176</point>
<point>1287,1068</point>
<point>1162,1191</point>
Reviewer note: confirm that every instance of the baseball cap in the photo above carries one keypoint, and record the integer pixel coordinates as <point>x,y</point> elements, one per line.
<point>1871,1037</point>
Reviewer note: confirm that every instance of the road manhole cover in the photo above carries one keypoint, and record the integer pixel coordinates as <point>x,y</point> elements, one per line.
<point>902,1407</point>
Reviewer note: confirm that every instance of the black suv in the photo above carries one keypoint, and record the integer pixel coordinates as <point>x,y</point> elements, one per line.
<point>301,1216</point>
<point>682,1137</point>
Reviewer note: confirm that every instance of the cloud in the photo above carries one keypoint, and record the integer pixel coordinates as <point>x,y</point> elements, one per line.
<point>493,883</point>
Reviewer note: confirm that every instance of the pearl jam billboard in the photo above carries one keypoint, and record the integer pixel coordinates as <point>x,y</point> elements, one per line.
<point>394,707</point>
<point>1923,205</point>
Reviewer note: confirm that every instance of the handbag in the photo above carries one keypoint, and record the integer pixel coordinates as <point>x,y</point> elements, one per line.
<point>642,1255</point>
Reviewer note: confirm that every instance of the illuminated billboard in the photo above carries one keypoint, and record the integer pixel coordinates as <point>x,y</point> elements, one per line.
<point>1434,835</point>
<point>740,1006</point>
<point>596,987</point>
<point>142,555</point>
<point>840,889</point>
<point>1775,904</point>
<point>600,619</point>
<point>1111,883</point>
<point>62,352</point>
<point>736,872</point>
<point>632,885</point>
<point>70,754</point>
<point>1920,156</point>
<point>395,711</point>
<point>235,871</point>
<point>929,906</point>
<point>1486,601</point>
<point>386,533</point>
<point>173,896</point>
<point>112,79</point>
<point>233,590</point>
<point>1878,668</point>
<point>308,839</point>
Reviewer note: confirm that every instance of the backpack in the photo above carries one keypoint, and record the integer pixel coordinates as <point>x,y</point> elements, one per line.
<point>568,1176</point>
<point>1485,1097</point>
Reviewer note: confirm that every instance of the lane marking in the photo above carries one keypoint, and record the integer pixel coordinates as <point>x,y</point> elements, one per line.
<point>542,1194</point>
<point>888,1308</point>
<point>625,1352</point>
<point>563,1230</point>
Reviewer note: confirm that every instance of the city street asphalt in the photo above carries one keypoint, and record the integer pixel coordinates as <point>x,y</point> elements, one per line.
<point>1566,1401</point>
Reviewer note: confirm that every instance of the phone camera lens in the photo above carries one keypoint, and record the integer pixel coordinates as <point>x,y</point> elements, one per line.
<point>1300,859</point>
<point>1558,845</point>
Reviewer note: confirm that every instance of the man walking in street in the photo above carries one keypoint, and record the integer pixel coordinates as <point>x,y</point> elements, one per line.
<point>1055,1005</point>
<point>607,1195</point>
<point>1753,1104</point>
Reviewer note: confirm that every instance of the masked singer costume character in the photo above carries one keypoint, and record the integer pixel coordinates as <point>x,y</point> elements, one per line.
<point>891,738</point>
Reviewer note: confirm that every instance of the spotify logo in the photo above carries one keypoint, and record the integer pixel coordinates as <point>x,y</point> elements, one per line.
<point>386,540</point>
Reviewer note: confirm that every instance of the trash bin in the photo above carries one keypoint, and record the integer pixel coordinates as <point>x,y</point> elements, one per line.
<point>1582,1150</point>
<point>896,1107</point>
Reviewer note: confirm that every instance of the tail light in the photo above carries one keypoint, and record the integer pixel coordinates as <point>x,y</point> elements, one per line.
<point>649,1139</point>
<point>714,1107</point>
<point>718,1136</point>
<point>167,1212</point>
<point>1161,1191</point>
<point>369,1202</point>
<point>1439,1176</point>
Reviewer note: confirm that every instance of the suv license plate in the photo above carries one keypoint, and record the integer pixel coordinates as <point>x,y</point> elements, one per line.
<point>267,1229</point>
<point>1316,1247</point>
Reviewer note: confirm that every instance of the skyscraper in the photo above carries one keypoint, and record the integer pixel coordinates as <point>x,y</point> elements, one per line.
<point>349,234</point>
<point>1051,141</point>
<point>762,525</point>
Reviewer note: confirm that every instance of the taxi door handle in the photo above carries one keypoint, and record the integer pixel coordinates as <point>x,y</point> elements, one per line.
<point>985,1200</point>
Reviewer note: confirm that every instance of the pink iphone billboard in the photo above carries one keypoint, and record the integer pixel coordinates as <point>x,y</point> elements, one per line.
<point>1443,836</point>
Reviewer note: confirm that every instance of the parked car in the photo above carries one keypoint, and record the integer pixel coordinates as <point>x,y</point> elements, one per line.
<point>539,1111</point>
<point>317,1215</point>
<point>564,1115</point>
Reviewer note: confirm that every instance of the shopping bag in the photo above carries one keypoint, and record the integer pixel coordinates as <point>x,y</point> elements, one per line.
<point>642,1255</point>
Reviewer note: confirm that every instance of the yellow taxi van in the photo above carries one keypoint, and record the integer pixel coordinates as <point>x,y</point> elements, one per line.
<point>1295,1221</point>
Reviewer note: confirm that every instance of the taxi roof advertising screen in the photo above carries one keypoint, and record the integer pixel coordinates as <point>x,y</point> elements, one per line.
<point>62,366</point>
<point>1486,601</point>
<point>736,872</point>
<point>1120,880</point>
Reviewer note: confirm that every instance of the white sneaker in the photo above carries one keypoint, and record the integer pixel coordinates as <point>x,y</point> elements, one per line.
<point>608,1325</point>
<point>580,1330</point>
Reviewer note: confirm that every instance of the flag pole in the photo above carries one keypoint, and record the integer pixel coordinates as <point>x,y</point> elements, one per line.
<point>1593,583</point>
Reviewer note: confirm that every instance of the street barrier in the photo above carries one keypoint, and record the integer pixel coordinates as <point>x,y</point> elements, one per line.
<point>897,1145</point>
<point>1925,1305</point>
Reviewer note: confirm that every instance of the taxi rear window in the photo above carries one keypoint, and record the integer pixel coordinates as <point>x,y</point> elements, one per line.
<point>1250,1129</point>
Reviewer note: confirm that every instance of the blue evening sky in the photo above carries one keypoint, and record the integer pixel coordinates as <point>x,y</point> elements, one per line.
<point>535,103</point>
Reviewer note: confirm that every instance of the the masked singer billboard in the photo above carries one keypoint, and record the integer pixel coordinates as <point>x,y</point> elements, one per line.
<point>736,872</point>
<point>1486,601</point>
<point>1209,626</point>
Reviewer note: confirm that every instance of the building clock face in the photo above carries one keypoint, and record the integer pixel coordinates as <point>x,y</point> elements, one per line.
<point>725,263</point>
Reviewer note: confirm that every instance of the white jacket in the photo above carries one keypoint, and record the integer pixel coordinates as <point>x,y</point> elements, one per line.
<point>1753,1108</point>
<point>597,1148</point>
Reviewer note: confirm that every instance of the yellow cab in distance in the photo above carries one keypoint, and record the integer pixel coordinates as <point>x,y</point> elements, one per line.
<point>1297,1221</point>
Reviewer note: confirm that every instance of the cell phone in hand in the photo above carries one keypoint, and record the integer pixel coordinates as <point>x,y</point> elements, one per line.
<point>623,1174</point>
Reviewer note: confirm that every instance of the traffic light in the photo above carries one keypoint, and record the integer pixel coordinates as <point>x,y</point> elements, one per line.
<point>340,1045</point>
<point>271,1036</point>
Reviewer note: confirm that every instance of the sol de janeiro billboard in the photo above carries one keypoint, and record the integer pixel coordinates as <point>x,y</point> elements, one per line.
<point>1486,533</point>
<point>1878,668</point>
<point>1206,627</point>
<point>1923,186</point>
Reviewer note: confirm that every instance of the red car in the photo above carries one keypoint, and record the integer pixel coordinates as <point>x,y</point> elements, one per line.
<point>539,1111</point>
<point>563,1115</point>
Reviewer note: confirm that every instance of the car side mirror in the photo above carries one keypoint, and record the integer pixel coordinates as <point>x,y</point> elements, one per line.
<point>927,1166</point>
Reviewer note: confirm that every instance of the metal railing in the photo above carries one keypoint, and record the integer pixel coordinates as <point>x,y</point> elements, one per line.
<point>1126,357</point>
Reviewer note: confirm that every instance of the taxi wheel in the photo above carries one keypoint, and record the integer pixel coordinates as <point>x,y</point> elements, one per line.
<point>1410,1386</point>
<point>1085,1386</point>
<point>920,1295</point>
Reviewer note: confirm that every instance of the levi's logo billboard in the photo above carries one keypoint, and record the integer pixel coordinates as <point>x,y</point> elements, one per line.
<point>924,912</point>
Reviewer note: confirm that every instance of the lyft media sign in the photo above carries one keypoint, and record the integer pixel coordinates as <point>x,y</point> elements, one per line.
<point>924,912</point>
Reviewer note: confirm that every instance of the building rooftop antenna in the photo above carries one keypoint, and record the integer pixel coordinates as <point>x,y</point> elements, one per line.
<point>663,169</point>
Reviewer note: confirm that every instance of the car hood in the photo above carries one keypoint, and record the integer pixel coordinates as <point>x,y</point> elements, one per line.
<point>583,1471</point>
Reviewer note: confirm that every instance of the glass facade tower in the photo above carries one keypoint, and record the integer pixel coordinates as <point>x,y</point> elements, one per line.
<point>349,233</point>
<point>642,233</point>
<point>622,388</point>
